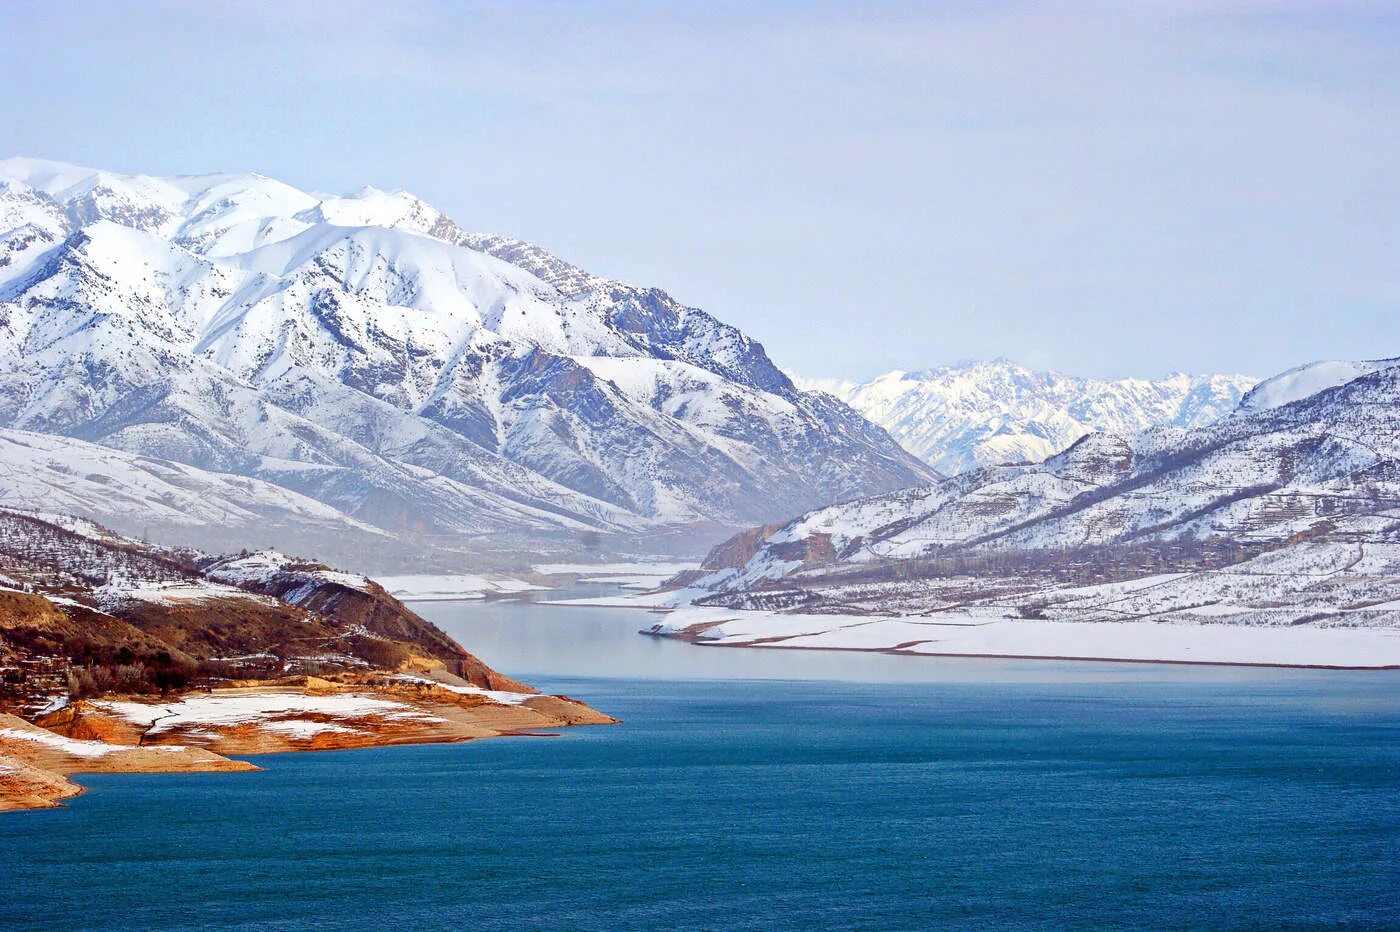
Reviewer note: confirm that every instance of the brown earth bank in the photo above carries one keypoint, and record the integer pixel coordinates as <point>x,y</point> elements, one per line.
<point>24,786</point>
<point>121,656</point>
<point>35,763</point>
<point>86,612</point>
<point>193,731</point>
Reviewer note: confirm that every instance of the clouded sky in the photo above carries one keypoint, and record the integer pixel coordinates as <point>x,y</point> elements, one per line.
<point>1106,188</point>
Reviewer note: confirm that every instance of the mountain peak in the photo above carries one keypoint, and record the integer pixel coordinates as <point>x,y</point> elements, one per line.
<point>1309,379</point>
<point>981,413</point>
<point>366,352</point>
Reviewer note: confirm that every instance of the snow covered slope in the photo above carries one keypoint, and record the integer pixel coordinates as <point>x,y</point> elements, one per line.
<point>986,413</point>
<point>1302,381</point>
<point>1325,466</point>
<point>43,471</point>
<point>144,495</point>
<point>365,352</point>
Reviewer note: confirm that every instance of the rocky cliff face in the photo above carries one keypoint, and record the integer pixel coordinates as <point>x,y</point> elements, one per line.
<point>366,354</point>
<point>739,549</point>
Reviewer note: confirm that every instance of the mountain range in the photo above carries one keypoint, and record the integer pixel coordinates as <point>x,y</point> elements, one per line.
<point>976,414</point>
<point>1303,479</point>
<point>361,364</point>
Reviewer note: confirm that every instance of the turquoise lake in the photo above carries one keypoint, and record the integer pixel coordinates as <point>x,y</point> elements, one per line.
<point>771,789</point>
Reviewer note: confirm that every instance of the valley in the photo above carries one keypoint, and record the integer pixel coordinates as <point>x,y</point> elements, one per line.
<point>638,466</point>
<point>239,370</point>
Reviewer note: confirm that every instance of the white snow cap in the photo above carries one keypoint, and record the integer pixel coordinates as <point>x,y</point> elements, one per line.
<point>1302,381</point>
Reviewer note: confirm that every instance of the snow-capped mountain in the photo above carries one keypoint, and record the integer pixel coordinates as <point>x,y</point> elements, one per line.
<point>1314,466</point>
<point>1302,381</point>
<point>981,414</point>
<point>365,352</point>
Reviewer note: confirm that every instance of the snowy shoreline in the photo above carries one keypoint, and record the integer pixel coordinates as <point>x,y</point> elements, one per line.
<point>971,635</point>
<point>988,632</point>
<point>475,587</point>
<point>1075,658</point>
<point>985,632</point>
<point>194,731</point>
<point>462,587</point>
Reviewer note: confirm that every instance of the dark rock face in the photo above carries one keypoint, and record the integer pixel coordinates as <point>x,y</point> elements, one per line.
<point>739,549</point>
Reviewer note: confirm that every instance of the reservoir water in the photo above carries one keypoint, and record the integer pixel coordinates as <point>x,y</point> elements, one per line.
<point>771,789</point>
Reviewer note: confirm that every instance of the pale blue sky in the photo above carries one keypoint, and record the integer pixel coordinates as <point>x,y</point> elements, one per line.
<point>1106,188</point>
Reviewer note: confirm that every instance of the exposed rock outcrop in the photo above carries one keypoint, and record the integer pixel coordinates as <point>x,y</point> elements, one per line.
<point>45,757</point>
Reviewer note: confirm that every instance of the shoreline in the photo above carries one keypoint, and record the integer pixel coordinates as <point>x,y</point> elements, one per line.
<point>1056,639</point>
<point>991,634</point>
<point>894,651</point>
<point>625,603</point>
<point>208,731</point>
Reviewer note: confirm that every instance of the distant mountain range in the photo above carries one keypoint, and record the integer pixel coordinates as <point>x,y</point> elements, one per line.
<point>1298,492</point>
<point>958,418</point>
<point>360,363</point>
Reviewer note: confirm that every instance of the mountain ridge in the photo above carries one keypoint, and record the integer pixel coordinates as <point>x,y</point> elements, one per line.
<point>1315,468</point>
<point>366,352</point>
<point>985,413</point>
